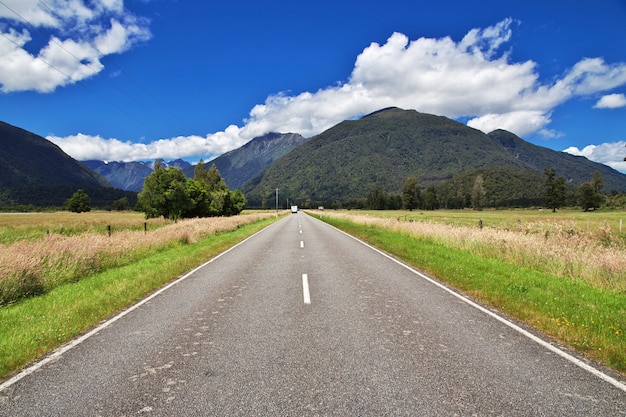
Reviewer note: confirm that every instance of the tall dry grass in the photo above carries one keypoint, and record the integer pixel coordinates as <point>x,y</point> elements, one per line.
<point>32,267</point>
<point>557,247</point>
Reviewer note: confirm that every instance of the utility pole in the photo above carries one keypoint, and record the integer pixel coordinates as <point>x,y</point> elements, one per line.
<point>277,201</point>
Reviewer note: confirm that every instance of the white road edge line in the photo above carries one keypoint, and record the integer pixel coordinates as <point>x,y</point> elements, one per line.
<point>305,289</point>
<point>56,354</point>
<point>513,326</point>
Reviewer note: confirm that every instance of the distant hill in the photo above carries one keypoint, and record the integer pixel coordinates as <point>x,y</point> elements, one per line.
<point>575,169</point>
<point>240,165</point>
<point>236,167</point>
<point>27,159</point>
<point>123,175</point>
<point>129,176</point>
<point>347,161</point>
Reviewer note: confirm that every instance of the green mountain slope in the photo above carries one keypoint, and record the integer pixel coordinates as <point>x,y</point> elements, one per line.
<point>349,160</point>
<point>575,169</point>
<point>27,159</point>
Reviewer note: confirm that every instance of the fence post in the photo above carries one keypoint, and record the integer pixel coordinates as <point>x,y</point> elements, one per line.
<point>109,229</point>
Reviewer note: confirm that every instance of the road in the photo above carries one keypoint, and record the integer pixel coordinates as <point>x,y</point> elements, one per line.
<point>303,320</point>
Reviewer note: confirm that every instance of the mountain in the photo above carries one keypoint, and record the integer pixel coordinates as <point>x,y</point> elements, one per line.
<point>236,167</point>
<point>36,172</point>
<point>575,169</point>
<point>240,165</point>
<point>347,161</point>
<point>123,175</point>
<point>27,159</point>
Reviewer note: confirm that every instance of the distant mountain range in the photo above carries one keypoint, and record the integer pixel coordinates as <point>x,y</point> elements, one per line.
<point>337,167</point>
<point>236,166</point>
<point>130,175</point>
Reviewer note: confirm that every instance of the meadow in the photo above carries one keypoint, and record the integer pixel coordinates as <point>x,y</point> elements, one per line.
<point>562,273</point>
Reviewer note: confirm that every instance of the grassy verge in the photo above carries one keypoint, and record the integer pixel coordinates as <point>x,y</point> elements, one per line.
<point>587,318</point>
<point>34,326</point>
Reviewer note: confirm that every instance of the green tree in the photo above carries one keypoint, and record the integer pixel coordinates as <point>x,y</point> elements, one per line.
<point>555,190</point>
<point>411,194</point>
<point>79,202</point>
<point>478,193</point>
<point>237,201</point>
<point>597,181</point>
<point>430,199</point>
<point>376,199</point>
<point>588,197</point>
<point>164,193</point>
<point>121,204</point>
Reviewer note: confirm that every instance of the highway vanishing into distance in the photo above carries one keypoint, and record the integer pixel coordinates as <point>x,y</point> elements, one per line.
<point>304,320</point>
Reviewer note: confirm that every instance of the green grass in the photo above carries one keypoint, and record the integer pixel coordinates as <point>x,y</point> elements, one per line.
<point>513,219</point>
<point>589,319</point>
<point>35,326</point>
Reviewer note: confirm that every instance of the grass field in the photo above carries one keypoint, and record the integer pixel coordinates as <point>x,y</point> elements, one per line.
<point>564,273</point>
<point>522,219</point>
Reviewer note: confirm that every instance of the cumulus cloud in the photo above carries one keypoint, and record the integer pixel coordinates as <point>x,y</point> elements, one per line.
<point>468,79</point>
<point>82,35</point>
<point>611,101</point>
<point>86,147</point>
<point>473,79</point>
<point>611,154</point>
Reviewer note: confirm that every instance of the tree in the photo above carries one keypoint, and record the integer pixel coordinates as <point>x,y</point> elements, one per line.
<point>478,193</point>
<point>237,201</point>
<point>164,193</point>
<point>589,195</point>
<point>79,202</point>
<point>430,199</point>
<point>588,198</point>
<point>410,194</point>
<point>168,193</point>
<point>376,199</point>
<point>555,190</point>
<point>597,181</point>
<point>121,204</point>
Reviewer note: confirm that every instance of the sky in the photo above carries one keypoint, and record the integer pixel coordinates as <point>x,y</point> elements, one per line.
<point>123,80</point>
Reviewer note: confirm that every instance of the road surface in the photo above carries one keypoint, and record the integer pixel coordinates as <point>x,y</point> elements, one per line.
<point>303,320</point>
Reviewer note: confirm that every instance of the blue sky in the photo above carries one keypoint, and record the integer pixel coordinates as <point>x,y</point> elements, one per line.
<point>144,79</point>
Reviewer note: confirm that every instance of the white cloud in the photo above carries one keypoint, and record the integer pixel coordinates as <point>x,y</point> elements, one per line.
<point>520,122</point>
<point>85,147</point>
<point>84,35</point>
<point>611,101</point>
<point>469,79</point>
<point>611,154</point>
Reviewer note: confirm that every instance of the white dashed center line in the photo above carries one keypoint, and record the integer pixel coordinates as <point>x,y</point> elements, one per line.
<point>305,289</point>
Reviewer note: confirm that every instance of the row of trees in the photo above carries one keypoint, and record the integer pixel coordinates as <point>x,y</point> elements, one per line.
<point>168,193</point>
<point>411,197</point>
<point>590,195</point>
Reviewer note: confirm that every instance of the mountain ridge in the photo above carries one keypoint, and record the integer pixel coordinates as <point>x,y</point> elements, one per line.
<point>28,159</point>
<point>347,161</point>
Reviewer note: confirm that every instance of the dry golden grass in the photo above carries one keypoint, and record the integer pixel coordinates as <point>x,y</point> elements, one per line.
<point>595,256</point>
<point>29,267</point>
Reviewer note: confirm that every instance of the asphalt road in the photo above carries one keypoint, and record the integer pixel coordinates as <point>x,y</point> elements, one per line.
<point>303,320</point>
